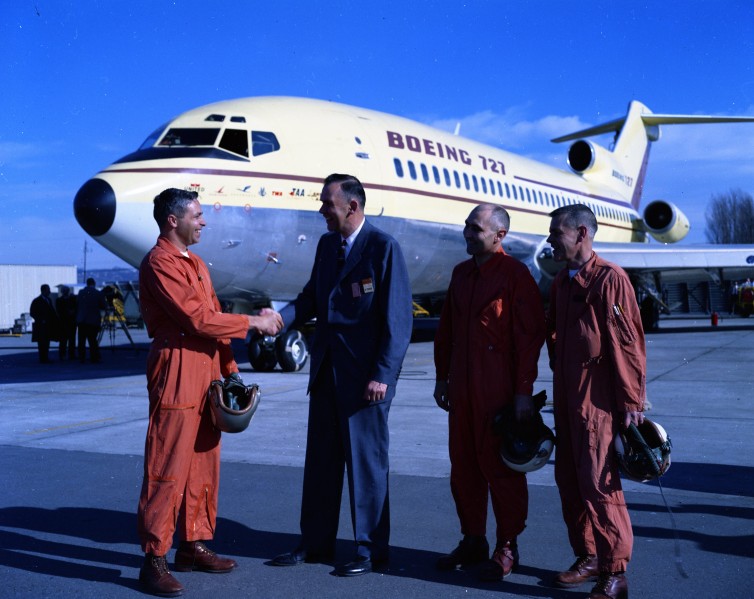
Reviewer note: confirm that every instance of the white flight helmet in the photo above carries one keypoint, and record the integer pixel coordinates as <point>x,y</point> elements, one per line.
<point>529,451</point>
<point>525,446</point>
<point>643,451</point>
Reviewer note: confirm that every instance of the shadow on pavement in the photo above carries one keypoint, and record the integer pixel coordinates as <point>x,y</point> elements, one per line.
<point>721,479</point>
<point>28,552</point>
<point>24,367</point>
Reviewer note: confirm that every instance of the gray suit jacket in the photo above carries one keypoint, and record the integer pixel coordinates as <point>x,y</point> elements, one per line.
<point>364,313</point>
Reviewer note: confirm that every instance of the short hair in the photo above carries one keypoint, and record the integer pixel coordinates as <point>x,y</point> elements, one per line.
<point>90,282</point>
<point>499,217</point>
<point>44,287</point>
<point>577,215</point>
<point>351,187</point>
<point>172,201</point>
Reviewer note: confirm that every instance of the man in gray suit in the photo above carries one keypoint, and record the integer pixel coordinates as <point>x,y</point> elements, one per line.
<point>360,294</point>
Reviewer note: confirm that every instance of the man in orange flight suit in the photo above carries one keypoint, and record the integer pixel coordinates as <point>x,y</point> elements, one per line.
<point>190,348</point>
<point>486,351</point>
<point>596,346</point>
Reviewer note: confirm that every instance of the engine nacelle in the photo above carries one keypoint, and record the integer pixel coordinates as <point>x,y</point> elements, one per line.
<point>584,156</point>
<point>665,222</point>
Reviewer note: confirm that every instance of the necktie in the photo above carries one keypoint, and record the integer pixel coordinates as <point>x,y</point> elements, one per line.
<point>341,256</point>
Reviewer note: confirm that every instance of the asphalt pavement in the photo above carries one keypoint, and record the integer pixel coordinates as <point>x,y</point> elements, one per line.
<point>71,441</point>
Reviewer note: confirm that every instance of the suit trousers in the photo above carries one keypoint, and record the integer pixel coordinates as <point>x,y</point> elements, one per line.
<point>43,344</point>
<point>344,433</point>
<point>88,334</point>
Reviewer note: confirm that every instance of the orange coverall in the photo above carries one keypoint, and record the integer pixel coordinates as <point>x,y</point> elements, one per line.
<point>190,348</point>
<point>596,347</point>
<point>487,346</point>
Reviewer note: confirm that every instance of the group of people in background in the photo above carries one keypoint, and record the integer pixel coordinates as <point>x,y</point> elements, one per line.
<point>60,320</point>
<point>491,331</point>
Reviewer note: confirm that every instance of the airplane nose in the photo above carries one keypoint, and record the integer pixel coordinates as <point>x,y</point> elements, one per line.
<point>94,207</point>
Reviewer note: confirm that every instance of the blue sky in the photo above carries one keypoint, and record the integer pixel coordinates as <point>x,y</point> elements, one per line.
<point>84,83</point>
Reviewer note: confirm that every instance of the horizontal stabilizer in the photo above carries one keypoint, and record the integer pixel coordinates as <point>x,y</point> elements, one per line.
<point>653,120</point>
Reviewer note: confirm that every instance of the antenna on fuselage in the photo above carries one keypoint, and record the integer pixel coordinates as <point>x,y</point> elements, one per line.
<point>458,128</point>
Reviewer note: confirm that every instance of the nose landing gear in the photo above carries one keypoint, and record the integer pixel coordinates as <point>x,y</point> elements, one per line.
<point>289,350</point>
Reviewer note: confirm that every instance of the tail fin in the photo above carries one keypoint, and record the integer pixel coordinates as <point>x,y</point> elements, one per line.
<point>624,167</point>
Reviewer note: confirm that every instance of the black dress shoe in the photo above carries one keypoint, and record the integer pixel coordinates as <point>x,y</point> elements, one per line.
<point>299,556</point>
<point>360,565</point>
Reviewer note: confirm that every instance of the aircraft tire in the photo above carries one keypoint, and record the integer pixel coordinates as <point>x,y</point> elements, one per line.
<point>291,351</point>
<point>261,357</point>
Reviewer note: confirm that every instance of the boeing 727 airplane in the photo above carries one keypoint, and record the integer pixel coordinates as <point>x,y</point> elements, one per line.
<point>258,165</point>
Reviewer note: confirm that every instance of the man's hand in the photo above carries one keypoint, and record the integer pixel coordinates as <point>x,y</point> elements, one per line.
<point>375,391</point>
<point>523,407</point>
<point>235,377</point>
<point>267,322</point>
<point>632,418</point>
<point>441,395</point>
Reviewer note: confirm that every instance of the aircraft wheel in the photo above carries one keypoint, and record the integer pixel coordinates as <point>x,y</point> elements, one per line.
<point>261,355</point>
<point>291,351</point>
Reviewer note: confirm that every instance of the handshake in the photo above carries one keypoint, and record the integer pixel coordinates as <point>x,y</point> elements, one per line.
<point>267,322</point>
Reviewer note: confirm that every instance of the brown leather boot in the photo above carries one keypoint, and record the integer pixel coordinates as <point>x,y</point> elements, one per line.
<point>156,578</point>
<point>194,555</point>
<point>610,585</point>
<point>502,562</point>
<point>584,569</point>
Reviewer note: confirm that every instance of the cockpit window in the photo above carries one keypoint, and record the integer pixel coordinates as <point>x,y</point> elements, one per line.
<point>218,118</point>
<point>263,142</point>
<point>236,141</point>
<point>190,137</point>
<point>153,137</point>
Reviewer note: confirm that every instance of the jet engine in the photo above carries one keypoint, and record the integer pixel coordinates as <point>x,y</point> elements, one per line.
<point>584,156</point>
<point>665,222</point>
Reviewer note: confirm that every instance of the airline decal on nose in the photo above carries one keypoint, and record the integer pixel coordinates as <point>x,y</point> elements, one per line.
<point>441,150</point>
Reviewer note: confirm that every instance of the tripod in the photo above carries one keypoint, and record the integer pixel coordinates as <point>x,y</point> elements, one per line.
<point>112,320</point>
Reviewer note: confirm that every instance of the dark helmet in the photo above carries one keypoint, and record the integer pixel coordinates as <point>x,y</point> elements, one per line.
<point>233,404</point>
<point>525,446</point>
<point>643,451</point>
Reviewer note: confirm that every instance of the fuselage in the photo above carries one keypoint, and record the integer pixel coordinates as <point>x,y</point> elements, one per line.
<point>258,165</point>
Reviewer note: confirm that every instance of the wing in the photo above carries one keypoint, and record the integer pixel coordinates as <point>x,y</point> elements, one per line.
<point>682,263</point>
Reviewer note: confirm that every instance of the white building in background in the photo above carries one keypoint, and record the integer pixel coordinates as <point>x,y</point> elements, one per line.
<point>20,283</point>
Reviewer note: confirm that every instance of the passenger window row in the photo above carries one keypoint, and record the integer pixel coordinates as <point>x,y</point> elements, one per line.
<point>496,188</point>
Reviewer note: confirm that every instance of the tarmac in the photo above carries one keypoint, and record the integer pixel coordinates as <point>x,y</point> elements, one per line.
<point>71,447</point>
